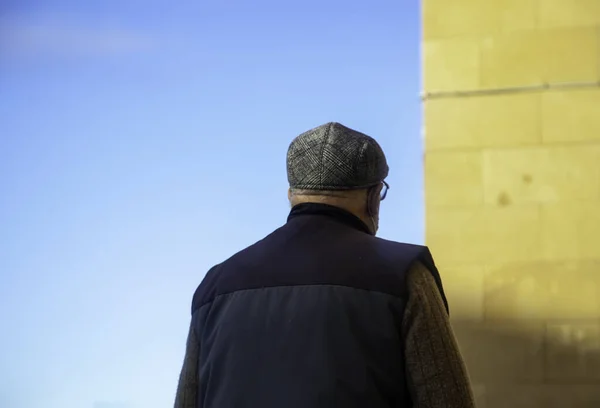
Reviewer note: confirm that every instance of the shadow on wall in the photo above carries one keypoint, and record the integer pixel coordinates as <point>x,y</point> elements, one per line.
<point>532,363</point>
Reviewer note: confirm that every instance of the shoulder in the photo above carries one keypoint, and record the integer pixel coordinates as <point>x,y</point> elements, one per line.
<point>410,252</point>
<point>212,282</point>
<point>418,263</point>
<point>206,289</point>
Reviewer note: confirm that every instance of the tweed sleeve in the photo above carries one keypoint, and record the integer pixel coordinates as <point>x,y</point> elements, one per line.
<point>436,374</point>
<point>187,387</point>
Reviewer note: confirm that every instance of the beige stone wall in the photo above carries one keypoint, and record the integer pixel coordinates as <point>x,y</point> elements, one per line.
<point>512,184</point>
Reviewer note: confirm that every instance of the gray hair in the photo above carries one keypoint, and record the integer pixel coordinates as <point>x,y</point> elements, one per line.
<point>324,193</point>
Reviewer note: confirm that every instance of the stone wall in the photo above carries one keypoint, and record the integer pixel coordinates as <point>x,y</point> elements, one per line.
<point>512,190</point>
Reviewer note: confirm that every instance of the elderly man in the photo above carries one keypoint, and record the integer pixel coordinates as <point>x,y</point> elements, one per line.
<point>321,313</point>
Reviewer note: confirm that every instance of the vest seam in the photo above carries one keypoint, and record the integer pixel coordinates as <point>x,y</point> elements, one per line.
<point>213,298</point>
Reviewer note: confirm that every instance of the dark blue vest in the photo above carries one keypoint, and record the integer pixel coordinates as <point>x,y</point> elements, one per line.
<point>310,316</point>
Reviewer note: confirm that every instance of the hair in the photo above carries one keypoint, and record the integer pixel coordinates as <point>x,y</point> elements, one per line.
<point>359,202</point>
<point>324,193</point>
<point>341,198</point>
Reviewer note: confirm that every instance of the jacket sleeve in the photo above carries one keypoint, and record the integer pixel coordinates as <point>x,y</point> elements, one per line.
<point>435,371</point>
<point>187,387</point>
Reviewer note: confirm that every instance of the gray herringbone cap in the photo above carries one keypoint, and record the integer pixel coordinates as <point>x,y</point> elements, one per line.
<point>335,157</point>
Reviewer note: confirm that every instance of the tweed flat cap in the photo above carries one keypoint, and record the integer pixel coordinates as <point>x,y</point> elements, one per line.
<point>335,157</point>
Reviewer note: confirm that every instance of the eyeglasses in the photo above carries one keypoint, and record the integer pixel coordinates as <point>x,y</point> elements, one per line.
<point>384,190</point>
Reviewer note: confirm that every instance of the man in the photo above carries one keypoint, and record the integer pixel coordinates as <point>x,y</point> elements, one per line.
<point>321,313</point>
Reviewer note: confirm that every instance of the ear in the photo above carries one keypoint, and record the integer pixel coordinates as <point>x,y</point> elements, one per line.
<point>289,194</point>
<point>373,200</point>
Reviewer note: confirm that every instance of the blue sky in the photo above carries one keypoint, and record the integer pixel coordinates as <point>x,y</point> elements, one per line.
<point>142,142</point>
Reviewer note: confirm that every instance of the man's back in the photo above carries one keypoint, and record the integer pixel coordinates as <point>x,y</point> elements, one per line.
<point>321,313</point>
<point>308,317</point>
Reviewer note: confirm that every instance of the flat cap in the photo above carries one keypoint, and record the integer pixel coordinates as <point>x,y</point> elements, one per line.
<point>335,157</point>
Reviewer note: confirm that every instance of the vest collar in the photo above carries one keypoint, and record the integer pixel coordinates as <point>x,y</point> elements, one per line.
<point>331,211</point>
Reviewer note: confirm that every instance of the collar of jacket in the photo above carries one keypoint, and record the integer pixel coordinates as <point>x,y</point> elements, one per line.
<point>337,213</point>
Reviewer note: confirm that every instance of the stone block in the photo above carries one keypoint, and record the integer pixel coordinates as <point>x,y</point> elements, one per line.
<point>485,121</point>
<point>444,19</point>
<point>528,58</point>
<point>571,54</point>
<point>463,286</point>
<point>570,230</point>
<point>571,115</point>
<point>571,13</point>
<point>571,396</point>
<point>453,178</point>
<point>513,15</point>
<point>573,352</point>
<point>481,234</point>
<point>541,174</point>
<point>479,395</point>
<point>543,290</point>
<point>542,396</point>
<point>515,396</point>
<point>502,352</point>
<point>451,64</point>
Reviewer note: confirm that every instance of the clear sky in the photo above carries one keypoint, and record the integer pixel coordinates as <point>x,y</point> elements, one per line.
<point>142,142</point>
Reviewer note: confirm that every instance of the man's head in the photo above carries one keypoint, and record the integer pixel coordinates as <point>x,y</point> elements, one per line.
<point>335,165</point>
